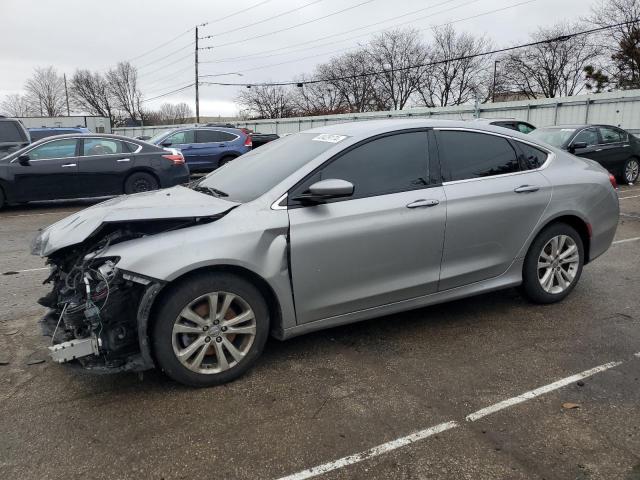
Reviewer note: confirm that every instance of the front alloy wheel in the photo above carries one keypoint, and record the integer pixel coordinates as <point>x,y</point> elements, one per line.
<point>214,332</point>
<point>631,170</point>
<point>209,328</point>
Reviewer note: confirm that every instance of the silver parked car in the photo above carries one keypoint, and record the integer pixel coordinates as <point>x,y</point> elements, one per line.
<point>317,229</point>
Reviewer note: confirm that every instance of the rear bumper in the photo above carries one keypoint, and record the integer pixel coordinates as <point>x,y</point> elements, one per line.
<point>176,175</point>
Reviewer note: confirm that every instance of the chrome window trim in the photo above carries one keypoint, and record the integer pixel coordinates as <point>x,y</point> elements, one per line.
<point>550,155</point>
<point>276,205</point>
<point>81,156</point>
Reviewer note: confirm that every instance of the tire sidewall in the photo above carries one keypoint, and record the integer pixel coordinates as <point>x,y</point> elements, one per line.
<point>531,285</point>
<point>129,183</point>
<point>179,297</point>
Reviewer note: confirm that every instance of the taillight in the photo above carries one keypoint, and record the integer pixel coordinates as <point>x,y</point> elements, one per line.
<point>612,179</point>
<point>248,142</point>
<point>176,158</point>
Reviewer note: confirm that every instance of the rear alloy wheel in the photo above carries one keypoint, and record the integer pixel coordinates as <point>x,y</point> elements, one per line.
<point>210,330</point>
<point>631,170</point>
<point>140,182</point>
<point>553,264</point>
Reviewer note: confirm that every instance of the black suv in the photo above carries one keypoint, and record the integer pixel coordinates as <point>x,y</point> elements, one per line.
<point>13,136</point>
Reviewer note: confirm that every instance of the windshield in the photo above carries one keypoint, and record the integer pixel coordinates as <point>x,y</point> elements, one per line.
<point>255,173</point>
<point>557,137</point>
<point>11,132</point>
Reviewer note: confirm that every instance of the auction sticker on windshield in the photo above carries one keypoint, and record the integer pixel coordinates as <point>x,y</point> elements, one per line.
<point>325,137</point>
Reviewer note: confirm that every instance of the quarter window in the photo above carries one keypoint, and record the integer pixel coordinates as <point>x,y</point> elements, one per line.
<point>64,148</point>
<point>473,155</point>
<point>533,157</point>
<point>390,164</point>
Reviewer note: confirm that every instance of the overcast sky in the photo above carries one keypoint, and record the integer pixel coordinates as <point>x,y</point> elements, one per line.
<point>71,34</point>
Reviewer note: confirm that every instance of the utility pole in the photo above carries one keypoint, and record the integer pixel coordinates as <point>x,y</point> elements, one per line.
<point>197,82</point>
<point>495,74</point>
<point>66,93</point>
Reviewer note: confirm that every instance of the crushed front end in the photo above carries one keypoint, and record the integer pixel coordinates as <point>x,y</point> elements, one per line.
<point>95,309</point>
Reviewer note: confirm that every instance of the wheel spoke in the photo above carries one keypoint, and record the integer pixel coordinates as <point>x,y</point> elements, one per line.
<point>572,259</point>
<point>192,316</point>
<point>562,283</point>
<point>223,364</point>
<point>554,247</point>
<point>249,330</point>
<point>182,328</point>
<point>235,353</point>
<point>243,317</point>
<point>228,298</point>
<point>186,353</point>
<point>561,242</point>
<point>543,264</point>
<point>197,361</point>
<point>212,299</point>
<point>569,251</point>
<point>547,279</point>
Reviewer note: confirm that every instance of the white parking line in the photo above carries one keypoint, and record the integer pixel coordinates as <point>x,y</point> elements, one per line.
<point>496,407</point>
<point>626,240</point>
<point>372,452</point>
<point>625,198</point>
<point>428,432</point>
<point>11,272</point>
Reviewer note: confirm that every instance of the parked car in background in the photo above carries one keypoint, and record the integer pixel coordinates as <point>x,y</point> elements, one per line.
<point>614,148</point>
<point>321,228</point>
<point>510,123</point>
<point>79,166</point>
<point>260,139</point>
<point>44,132</point>
<point>205,148</point>
<point>13,135</point>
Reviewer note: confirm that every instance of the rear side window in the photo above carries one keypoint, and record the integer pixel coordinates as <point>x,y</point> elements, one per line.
<point>395,163</point>
<point>11,132</point>
<point>473,155</point>
<point>103,146</point>
<point>533,157</point>
<point>610,135</point>
<point>508,125</point>
<point>525,128</point>
<point>212,136</point>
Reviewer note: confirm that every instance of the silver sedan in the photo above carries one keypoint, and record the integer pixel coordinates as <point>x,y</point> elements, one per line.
<point>321,228</point>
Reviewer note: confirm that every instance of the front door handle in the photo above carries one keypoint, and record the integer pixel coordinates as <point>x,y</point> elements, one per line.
<point>527,189</point>
<point>69,165</point>
<point>423,203</point>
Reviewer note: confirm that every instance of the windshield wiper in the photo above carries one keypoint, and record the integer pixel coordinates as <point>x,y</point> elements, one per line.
<point>210,191</point>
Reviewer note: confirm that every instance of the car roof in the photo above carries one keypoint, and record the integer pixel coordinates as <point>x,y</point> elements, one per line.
<point>58,128</point>
<point>91,135</point>
<point>490,120</point>
<point>577,126</point>
<point>204,127</point>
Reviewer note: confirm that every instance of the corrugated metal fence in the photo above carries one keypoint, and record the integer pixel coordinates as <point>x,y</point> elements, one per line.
<point>620,108</point>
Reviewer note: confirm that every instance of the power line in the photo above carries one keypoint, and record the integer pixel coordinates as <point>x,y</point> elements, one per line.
<point>561,38</point>
<point>263,20</point>
<point>168,93</point>
<point>291,27</point>
<point>159,46</point>
<point>235,13</point>
<point>146,74</point>
<point>165,56</point>
<point>173,75</point>
<point>261,53</point>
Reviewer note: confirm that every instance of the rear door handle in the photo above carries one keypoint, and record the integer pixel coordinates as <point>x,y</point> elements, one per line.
<point>124,160</point>
<point>527,189</point>
<point>423,203</point>
<point>66,165</point>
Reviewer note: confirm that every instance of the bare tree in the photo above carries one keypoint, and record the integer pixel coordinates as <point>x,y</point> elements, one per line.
<point>394,55</point>
<point>624,40</point>
<point>318,98</point>
<point>90,93</point>
<point>174,113</point>
<point>123,86</point>
<point>457,74</point>
<point>45,92</point>
<point>267,101</point>
<point>555,68</point>
<point>16,105</point>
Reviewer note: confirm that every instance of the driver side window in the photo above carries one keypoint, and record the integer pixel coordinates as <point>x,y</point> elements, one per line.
<point>186,136</point>
<point>588,136</point>
<point>390,164</point>
<point>64,148</point>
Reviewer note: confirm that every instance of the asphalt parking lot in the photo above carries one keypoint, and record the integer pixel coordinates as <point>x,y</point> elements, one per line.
<point>485,388</point>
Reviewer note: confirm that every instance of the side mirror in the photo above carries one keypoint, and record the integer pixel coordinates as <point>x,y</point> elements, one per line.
<point>166,144</point>
<point>24,160</point>
<point>327,190</point>
<point>577,145</point>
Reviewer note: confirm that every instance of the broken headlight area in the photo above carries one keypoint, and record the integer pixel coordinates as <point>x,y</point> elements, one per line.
<point>93,310</point>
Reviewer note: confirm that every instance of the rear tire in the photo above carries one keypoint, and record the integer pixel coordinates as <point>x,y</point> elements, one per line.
<point>140,182</point>
<point>198,349</point>
<point>631,170</point>
<point>553,264</point>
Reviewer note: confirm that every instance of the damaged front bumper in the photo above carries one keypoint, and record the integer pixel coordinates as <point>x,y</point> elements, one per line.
<point>104,335</point>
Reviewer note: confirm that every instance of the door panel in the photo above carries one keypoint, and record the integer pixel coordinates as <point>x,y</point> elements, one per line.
<point>103,167</point>
<point>357,254</point>
<point>488,223</point>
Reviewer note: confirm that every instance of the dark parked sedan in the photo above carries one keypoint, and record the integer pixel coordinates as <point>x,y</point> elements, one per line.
<point>615,149</point>
<point>78,166</point>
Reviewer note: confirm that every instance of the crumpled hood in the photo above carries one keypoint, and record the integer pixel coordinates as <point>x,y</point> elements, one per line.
<point>172,203</point>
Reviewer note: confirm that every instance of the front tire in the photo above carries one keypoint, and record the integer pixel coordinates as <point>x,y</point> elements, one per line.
<point>210,329</point>
<point>631,170</point>
<point>553,264</point>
